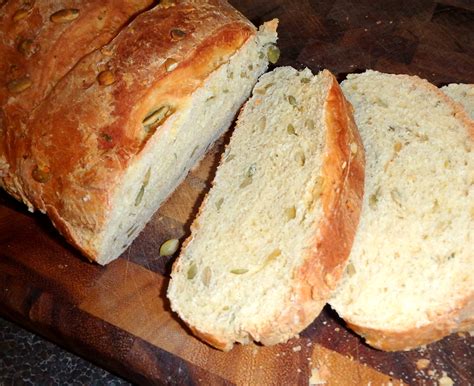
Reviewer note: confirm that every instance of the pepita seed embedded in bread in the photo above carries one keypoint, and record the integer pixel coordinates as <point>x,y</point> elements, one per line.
<point>304,80</point>
<point>26,47</point>
<point>246,182</point>
<point>169,247</point>
<point>206,276</point>
<point>300,158</point>
<point>292,100</point>
<point>219,203</point>
<point>192,271</point>
<point>18,85</point>
<point>41,174</point>
<point>106,78</point>
<point>171,64</point>
<point>140,194</point>
<point>177,34</point>
<point>291,129</point>
<point>273,53</point>
<point>239,271</point>
<point>64,15</point>
<point>157,116</point>
<point>21,14</point>
<point>310,124</point>
<point>290,213</point>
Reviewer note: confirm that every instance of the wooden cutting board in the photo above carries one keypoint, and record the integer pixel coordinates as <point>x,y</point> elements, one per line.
<point>118,316</point>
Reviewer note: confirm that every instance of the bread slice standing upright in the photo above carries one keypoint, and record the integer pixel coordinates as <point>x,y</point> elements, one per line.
<point>272,237</point>
<point>410,279</point>
<point>121,130</point>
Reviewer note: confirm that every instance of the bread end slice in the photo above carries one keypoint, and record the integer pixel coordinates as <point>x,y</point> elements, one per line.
<point>272,237</point>
<point>409,280</point>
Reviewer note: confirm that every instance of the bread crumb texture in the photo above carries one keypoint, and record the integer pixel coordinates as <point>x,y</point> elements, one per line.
<point>412,259</point>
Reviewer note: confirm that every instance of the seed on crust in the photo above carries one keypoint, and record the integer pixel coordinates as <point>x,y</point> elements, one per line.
<point>64,15</point>
<point>177,34</point>
<point>19,85</point>
<point>21,14</point>
<point>106,78</point>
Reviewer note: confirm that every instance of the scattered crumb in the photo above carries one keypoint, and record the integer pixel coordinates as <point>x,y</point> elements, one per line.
<point>315,378</point>
<point>297,348</point>
<point>422,364</point>
<point>309,344</point>
<point>471,333</point>
<point>445,380</point>
<point>431,373</point>
<point>298,370</point>
<point>337,329</point>
<point>378,22</point>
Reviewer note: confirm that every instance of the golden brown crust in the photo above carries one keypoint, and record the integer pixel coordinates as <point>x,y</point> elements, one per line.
<point>36,52</point>
<point>343,171</point>
<point>85,133</point>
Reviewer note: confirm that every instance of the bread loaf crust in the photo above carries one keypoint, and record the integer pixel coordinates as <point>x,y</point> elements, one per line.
<point>85,134</point>
<point>342,199</point>
<point>37,50</point>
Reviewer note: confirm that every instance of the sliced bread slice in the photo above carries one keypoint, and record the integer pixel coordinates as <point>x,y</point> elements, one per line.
<point>462,93</point>
<point>273,234</point>
<point>410,279</point>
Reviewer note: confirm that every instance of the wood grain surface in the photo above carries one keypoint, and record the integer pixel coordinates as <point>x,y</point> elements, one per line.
<point>118,316</point>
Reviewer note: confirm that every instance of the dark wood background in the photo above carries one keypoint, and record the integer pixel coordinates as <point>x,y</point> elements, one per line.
<point>118,316</point>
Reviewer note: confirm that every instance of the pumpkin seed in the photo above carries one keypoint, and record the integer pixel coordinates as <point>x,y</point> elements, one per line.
<point>21,14</point>
<point>290,213</point>
<point>353,147</point>
<point>206,276</point>
<point>304,80</point>
<point>246,182</point>
<point>272,256</point>
<point>192,271</point>
<point>156,117</point>
<point>139,197</point>
<point>64,15</point>
<point>41,175</point>
<point>350,269</point>
<point>26,47</point>
<point>291,129</point>
<point>261,55</point>
<point>177,34</point>
<point>273,54</point>
<point>250,67</point>
<point>251,170</point>
<point>219,203</point>
<point>374,198</point>
<point>292,100</point>
<point>169,247</point>
<point>18,85</point>
<point>239,271</point>
<point>310,124</point>
<point>300,158</point>
<point>171,64</point>
<point>106,78</point>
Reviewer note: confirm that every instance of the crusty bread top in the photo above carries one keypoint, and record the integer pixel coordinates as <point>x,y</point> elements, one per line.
<point>273,235</point>
<point>36,52</point>
<point>410,278</point>
<point>85,133</point>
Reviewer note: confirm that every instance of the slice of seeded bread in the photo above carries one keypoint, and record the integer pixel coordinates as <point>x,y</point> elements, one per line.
<point>274,233</point>
<point>462,93</point>
<point>410,279</point>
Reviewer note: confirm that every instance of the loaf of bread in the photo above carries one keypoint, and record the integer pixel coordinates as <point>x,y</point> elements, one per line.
<point>463,94</point>
<point>273,235</point>
<point>40,41</point>
<point>122,128</point>
<point>410,279</point>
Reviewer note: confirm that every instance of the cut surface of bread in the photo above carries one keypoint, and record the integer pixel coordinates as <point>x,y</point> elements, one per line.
<point>121,130</point>
<point>462,93</point>
<point>410,279</point>
<point>272,236</point>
